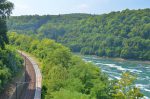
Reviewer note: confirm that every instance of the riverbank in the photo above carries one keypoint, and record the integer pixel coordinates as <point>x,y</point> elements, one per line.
<point>116,58</point>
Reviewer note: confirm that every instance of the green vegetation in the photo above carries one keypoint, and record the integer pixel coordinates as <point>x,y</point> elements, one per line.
<point>123,90</point>
<point>10,62</point>
<point>123,34</point>
<point>5,10</point>
<point>67,76</point>
<point>10,65</point>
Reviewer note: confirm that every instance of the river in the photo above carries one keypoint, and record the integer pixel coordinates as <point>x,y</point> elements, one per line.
<point>115,67</point>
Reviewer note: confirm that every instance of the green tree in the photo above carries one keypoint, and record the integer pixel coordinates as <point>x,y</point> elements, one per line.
<point>124,89</point>
<point>5,11</point>
<point>66,94</point>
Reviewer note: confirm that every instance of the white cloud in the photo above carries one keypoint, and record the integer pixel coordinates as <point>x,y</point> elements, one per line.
<point>83,7</point>
<point>21,6</point>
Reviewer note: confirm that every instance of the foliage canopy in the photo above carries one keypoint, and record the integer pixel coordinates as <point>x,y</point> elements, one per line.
<point>66,75</point>
<point>124,34</point>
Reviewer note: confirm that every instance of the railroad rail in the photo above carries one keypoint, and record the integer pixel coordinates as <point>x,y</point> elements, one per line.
<point>33,78</point>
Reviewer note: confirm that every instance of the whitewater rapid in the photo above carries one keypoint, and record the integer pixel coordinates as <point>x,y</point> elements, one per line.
<point>114,69</point>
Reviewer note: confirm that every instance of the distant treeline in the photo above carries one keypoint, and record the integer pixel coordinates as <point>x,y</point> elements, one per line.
<point>124,34</point>
<point>66,76</point>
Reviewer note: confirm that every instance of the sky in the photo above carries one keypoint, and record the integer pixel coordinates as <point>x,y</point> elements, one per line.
<point>55,7</point>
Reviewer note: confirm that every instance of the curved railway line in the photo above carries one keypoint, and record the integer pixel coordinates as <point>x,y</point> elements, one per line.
<point>33,79</point>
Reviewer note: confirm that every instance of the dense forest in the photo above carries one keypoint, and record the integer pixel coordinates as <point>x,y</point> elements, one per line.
<point>66,76</point>
<point>124,34</point>
<point>10,61</point>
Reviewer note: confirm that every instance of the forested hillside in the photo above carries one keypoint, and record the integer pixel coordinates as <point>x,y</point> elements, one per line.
<point>66,76</point>
<point>10,62</point>
<point>124,34</point>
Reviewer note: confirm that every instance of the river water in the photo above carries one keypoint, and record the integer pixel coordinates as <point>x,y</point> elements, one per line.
<point>115,67</point>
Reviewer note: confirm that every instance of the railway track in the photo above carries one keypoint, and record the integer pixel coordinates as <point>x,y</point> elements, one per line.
<point>30,85</point>
<point>33,80</point>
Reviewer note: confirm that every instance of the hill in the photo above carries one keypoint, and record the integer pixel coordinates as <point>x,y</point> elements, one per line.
<point>124,34</point>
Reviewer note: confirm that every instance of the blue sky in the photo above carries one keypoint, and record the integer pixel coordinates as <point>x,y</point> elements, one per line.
<point>54,7</point>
